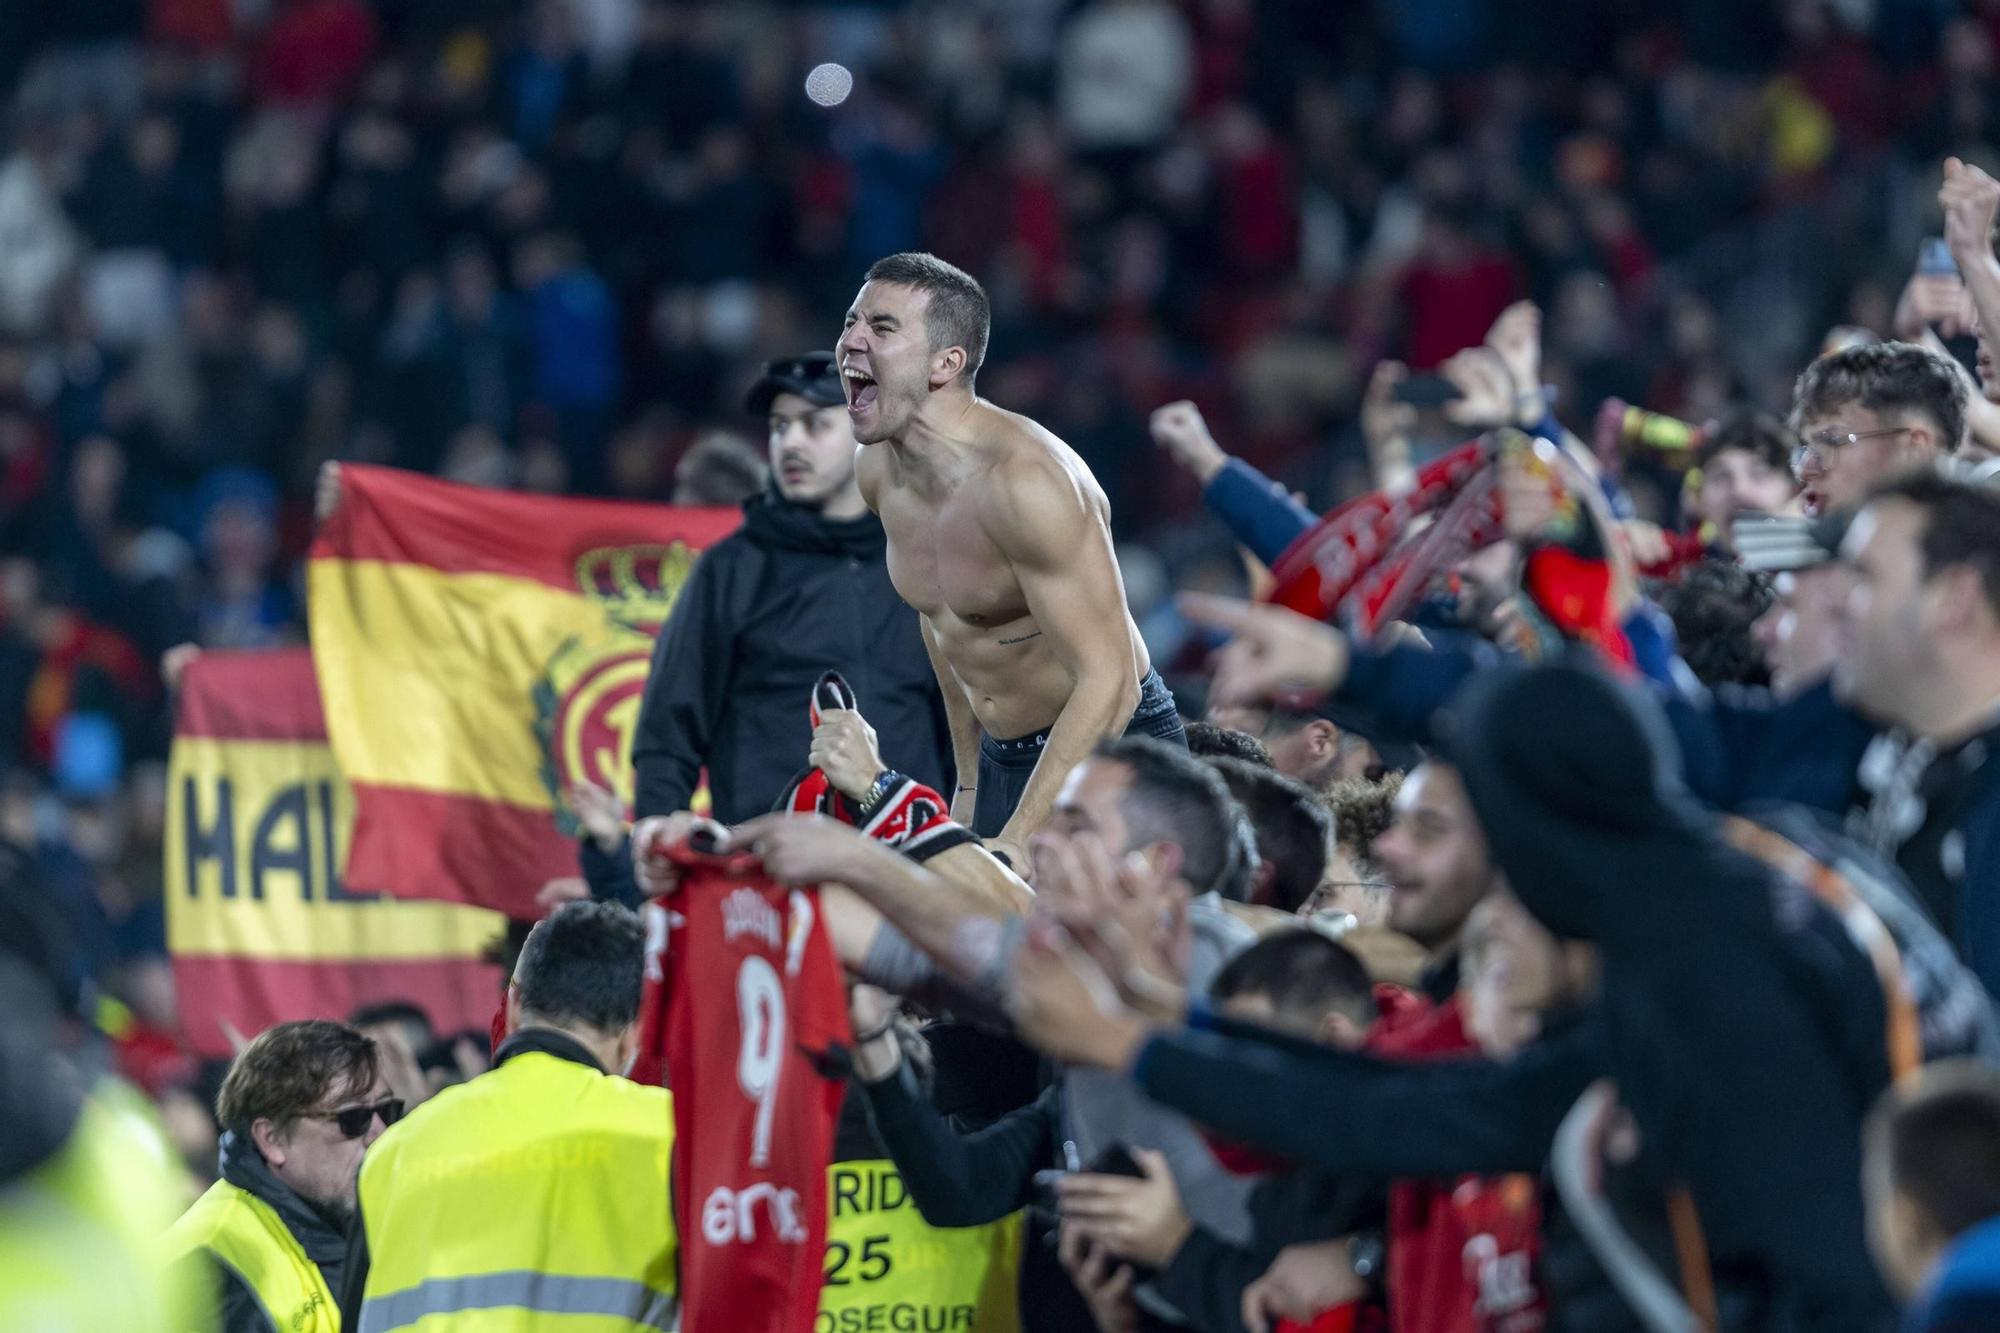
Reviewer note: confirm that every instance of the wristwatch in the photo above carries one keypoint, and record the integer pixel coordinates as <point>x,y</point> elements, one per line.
<point>885,782</point>
<point>1365,1252</point>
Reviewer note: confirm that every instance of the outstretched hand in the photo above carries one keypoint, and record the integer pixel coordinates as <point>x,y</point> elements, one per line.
<point>800,850</point>
<point>1969,198</point>
<point>1064,1006</point>
<point>600,812</point>
<point>1180,430</point>
<point>651,837</point>
<point>1130,918</point>
<point>1485,389</point>
<point>1272,651</point>
<point>1386,426</point>
<point>1516,338</point>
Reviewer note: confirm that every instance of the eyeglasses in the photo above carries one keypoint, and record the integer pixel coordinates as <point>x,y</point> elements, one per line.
<point>1822,443</point>
<point>354,1121</point>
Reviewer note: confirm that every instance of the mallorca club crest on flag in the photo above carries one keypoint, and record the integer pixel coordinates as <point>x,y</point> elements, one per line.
<point>477,652</point>
<point>587,701</point>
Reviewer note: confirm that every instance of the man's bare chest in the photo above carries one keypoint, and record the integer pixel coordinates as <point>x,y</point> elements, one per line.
<point>942,562</point>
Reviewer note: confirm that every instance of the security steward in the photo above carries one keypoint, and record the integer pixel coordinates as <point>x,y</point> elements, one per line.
<point>537,1192</point>
<point>88,1183</point>
<point>300,1105</point>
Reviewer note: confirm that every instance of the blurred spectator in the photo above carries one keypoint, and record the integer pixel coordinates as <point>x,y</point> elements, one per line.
<point>1123,72</point>
<point>1206,740</point>
<point>720,469</point>
<point>1934,1196</point>
<point>1713,606</point>
<point>1294,832</point>
<point>246,604</point>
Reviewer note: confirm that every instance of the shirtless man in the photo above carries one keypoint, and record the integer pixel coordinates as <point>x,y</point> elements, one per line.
<point>1001,539</point>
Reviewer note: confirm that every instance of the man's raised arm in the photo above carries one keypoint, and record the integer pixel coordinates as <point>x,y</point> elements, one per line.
<point>1054,534</point>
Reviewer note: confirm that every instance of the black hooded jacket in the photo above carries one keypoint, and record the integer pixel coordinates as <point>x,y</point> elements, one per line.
<point>1747,1031</point>
<point>765,611</point>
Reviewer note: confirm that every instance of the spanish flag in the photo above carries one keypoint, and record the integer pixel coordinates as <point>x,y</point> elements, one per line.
<point>260,926</point>
<point>478,652</point>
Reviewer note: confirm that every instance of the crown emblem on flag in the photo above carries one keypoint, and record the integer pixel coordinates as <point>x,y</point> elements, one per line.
<point>636,585</point>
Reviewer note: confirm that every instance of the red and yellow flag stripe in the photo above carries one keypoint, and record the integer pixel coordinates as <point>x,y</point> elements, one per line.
<point>260,925</point>
<point>477,651</point>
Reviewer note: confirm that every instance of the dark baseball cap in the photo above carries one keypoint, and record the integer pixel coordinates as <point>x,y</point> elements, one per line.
<point>810,375</point>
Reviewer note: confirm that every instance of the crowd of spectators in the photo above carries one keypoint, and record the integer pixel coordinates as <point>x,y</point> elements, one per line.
<point>544,243</point>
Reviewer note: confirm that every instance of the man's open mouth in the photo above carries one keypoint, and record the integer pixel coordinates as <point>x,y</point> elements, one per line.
<point>861,390</point>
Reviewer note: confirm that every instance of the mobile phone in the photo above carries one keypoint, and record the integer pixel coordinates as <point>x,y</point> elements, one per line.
<point>1934,259</point>
<point>1427,391</point>
<point>1117,1160</point>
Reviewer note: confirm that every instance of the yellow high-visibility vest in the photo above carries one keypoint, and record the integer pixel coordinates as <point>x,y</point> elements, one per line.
<point>533,1199</point>
<point>81,1235</point>
<point>887,1268</point>
<point>247,1234</point>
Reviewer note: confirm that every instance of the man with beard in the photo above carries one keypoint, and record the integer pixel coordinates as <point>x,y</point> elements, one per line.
<point>299,1107</point>
<point>800,589</point>
<point>1919,649</point>
<point>1000,538</point>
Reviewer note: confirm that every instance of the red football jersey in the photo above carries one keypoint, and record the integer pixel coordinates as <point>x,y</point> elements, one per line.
<point>754,1003</point>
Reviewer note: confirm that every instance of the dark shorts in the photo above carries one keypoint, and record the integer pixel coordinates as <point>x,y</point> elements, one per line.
<point>1006,766</point>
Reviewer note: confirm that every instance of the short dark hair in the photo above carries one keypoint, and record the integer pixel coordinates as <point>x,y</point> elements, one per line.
<point>1293,827</point>
<point>1208,741</point>
<point>1961,525</point>
<point>1885,377</point>
<point>1177,798</point>
<point>289,1069</point>
<point>391,1011</point>
<point>585,964</point>
<point>1750,431</point>
<point>720,470</point>
<point>957,314</point>
<point>1938,1136</point>
<point>1305,974</point>
<point>1712,605</point>
<point>1286,721</point>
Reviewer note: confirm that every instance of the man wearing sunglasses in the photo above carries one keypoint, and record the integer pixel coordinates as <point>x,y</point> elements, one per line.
<point>299,1107</point>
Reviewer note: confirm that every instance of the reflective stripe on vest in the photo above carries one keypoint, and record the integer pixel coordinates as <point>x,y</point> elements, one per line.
<point>533,1198</point>
<point>544,1293</point>
<point>247,1235</point>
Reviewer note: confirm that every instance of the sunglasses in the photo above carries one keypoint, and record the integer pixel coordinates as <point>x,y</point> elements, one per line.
<point>353,1121</point>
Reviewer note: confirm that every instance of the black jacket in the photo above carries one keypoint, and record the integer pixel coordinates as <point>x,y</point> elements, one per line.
<point>324,1239</point>
<point>1748,1029</point>
<point>764,612</point>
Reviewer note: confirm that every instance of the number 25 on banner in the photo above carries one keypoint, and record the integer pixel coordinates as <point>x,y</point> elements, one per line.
<point>760,1005</point>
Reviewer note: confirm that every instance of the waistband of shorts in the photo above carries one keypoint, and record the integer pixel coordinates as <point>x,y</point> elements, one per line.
<point>1155,699</point>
